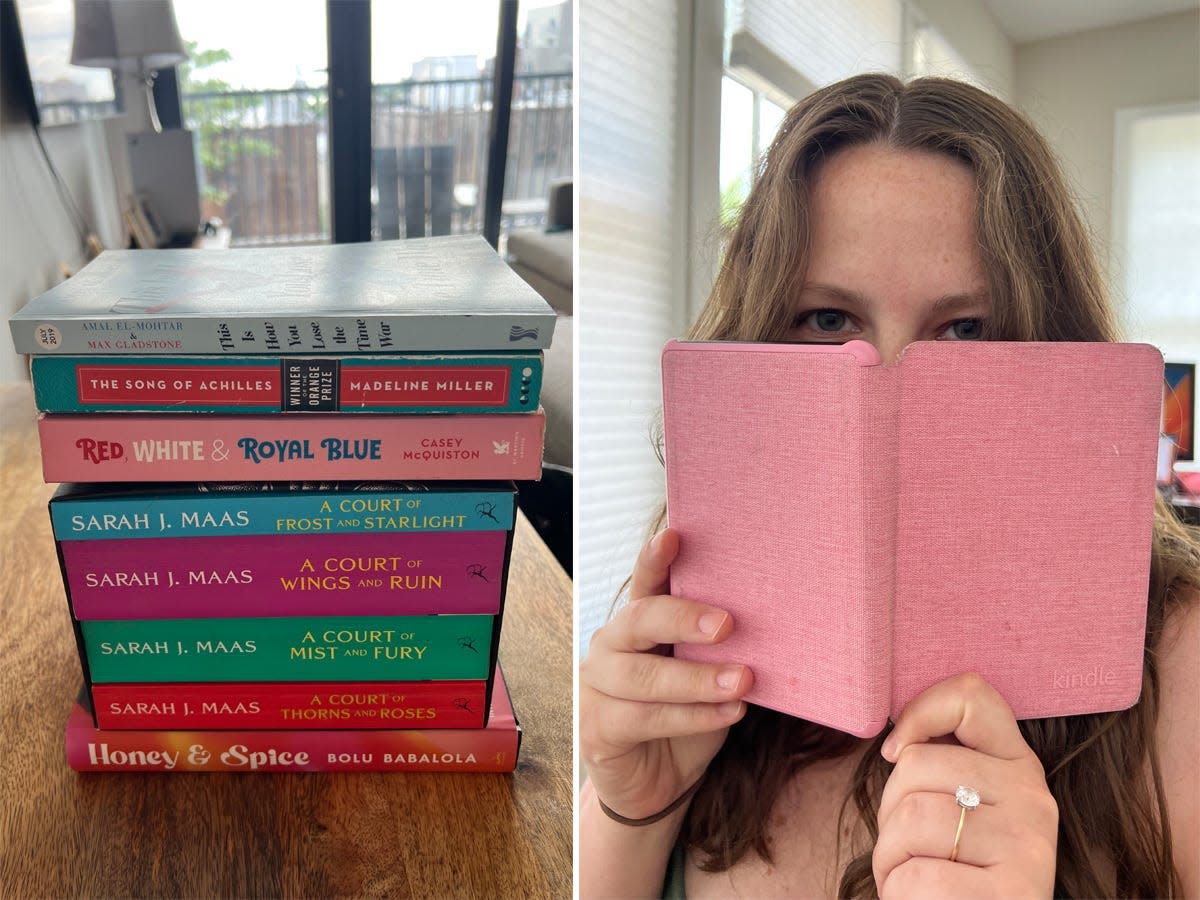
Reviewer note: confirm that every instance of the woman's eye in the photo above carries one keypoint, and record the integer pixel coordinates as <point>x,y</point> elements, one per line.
<point>830,321</point>
<point>964,330</point>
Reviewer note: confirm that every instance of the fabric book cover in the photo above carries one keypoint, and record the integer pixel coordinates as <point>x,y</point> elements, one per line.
<point>441,293</point>
<point>979,506</point>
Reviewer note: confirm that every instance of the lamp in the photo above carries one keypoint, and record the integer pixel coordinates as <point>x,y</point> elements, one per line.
<point>137,37</point>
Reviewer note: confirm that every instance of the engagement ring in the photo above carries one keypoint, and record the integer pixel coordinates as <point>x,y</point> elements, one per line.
<point>967,798</point>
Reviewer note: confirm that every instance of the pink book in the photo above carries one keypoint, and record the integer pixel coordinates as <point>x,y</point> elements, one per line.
<point>364,574</point>
<point>980,506</point>
<point>274,448</point>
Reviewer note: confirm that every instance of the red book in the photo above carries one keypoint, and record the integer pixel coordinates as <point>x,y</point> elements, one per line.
<point>490,749</point>
<point>292,704</point>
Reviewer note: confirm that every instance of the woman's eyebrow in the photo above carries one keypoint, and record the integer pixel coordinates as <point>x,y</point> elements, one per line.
<point>836,294</point>
<point>975,299</point>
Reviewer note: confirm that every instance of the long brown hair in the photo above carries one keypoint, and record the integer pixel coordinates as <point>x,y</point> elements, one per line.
<point>1045,285</point>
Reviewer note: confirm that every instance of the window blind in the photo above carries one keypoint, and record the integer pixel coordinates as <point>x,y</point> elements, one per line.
<point>631,263</point>
<point>819,42</point>
<point>1157,227</point>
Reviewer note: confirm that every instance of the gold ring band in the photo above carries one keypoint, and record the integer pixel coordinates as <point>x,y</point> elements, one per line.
<point>967,798</point>
<point>962,817</point>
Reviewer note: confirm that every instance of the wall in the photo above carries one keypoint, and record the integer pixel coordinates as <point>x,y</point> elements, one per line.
<point>1073,86</point>
<point>969,27</point>
<point>37,236</point>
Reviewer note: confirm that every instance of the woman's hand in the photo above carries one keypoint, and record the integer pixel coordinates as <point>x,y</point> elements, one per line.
<point>1008,843</point>
<point>649,724</point>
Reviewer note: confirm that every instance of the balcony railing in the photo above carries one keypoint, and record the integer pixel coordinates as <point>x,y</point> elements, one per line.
<point>264,154</point>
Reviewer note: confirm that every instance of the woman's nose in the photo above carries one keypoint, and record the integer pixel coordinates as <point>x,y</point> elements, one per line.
<point>890,342</point>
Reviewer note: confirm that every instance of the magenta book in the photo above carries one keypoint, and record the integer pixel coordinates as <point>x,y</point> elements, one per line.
<point>283,448</point>
<point>978,507</point>
<point>416,573</point>
<point>493,748</point>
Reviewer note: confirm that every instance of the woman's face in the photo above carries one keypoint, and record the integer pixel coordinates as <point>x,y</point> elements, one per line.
<point>893,257</point>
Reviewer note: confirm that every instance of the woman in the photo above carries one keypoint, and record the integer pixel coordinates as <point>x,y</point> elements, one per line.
<point>891,213</point>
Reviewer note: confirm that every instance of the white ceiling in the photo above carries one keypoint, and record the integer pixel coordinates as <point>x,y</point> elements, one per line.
<point>1033,20</point>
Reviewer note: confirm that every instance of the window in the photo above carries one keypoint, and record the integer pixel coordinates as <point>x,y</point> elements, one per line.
<point>432,77</point>
<point>260,112</point>
<point>1156,227</point>
<point>258,109</point>
<point>749,120</point>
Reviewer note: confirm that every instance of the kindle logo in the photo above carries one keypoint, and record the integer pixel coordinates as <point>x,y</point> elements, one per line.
<point>1097,677</point>
<point>100,451</point>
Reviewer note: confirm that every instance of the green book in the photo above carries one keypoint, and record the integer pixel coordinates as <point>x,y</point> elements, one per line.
<point>341,648</point>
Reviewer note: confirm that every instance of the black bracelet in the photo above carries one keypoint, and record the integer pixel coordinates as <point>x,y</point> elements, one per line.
<point>658,816</point>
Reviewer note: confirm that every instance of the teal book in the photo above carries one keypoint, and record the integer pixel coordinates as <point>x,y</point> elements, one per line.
<point>337,648</point>
<point>111,511</point>
<point>392,384</point>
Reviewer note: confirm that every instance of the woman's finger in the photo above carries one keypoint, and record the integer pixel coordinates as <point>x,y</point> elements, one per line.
<point>924,877</point>
<point>965,706</point>
<point>941,768</point>
<point>648,677</point>
<point>644,624</point>
<point>652,569</point>
<point>628,723</point>
<point>924,824</point>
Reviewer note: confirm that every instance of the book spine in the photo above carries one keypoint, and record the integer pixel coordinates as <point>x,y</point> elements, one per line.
<point>491,749</point>
<point>253,335</point>
<point>213,513</point>
<point>265,384</point>
<point>317,447</point>
<point>411,574</point>
<point>324,705</point>
<point>363,648</point>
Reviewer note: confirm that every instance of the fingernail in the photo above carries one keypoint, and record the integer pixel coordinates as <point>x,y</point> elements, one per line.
<point>727,679</point>
<point>888,750</point>
<point>656,542</point>
<point>729,707</point>
<point>711,622</point>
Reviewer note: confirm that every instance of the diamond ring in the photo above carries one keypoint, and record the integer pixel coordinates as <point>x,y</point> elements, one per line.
<point>967,798</point>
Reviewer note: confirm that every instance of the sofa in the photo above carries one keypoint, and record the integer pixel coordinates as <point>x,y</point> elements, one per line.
<point>542,257</point>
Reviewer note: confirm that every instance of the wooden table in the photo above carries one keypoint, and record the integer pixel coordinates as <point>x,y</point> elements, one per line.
<point>323,835</point>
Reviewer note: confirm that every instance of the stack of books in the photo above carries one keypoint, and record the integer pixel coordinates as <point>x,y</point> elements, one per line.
<point>288,503</point>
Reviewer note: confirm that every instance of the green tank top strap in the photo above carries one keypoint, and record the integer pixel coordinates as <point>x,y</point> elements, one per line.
<point>673,883</point>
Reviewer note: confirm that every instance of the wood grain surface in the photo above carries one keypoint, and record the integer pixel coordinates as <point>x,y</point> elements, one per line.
<point>64,834</point>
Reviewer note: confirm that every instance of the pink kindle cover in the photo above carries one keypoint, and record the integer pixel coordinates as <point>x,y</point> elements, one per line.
<point>980,506</point>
